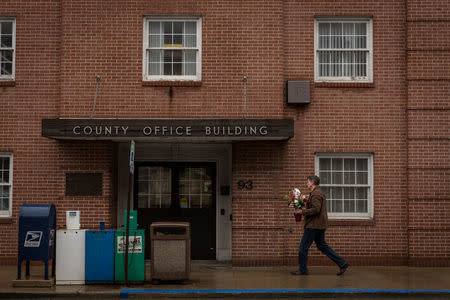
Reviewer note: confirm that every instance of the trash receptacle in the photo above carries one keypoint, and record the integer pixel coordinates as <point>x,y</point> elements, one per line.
<point>99,256</point>
<point>37,224</point>
<point>170,250</point>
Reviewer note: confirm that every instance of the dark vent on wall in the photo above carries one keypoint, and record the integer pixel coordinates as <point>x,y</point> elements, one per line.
<point>297,92</point>
<point>84,184</point>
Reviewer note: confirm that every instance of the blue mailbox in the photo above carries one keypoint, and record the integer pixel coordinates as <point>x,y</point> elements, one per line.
<point>37,224</point>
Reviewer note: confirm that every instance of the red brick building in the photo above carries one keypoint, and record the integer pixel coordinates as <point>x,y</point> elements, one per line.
<point>205,88</point>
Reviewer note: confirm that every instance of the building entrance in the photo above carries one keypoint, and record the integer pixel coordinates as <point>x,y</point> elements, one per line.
<point>167,191</point>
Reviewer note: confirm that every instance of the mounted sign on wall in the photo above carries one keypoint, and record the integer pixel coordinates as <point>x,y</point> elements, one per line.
<point>161,129</point>
<point>132,146</point>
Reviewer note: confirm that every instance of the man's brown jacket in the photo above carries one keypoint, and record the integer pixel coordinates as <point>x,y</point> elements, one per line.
<point>316,210</point>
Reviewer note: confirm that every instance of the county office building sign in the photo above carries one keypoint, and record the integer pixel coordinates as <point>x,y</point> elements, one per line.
<point>169,129</point>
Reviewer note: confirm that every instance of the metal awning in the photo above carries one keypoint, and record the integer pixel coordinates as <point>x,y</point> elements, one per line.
<point>169,129</point>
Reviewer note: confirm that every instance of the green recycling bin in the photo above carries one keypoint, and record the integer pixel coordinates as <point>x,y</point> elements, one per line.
<point>136,253</point>
<point>133,219</point>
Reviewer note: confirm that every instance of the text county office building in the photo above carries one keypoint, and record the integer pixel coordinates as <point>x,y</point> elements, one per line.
<point>232,104</point>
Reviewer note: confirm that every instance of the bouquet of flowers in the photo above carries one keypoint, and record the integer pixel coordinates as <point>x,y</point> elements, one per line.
<point>296,200</point>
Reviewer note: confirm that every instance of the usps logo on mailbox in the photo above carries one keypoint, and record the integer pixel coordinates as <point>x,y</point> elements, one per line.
<point>33,239</point>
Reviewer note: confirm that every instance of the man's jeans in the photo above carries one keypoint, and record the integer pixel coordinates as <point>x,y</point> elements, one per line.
<point>317,236</point>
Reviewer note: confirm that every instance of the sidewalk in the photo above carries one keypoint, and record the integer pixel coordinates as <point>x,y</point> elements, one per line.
<point>216,280</point>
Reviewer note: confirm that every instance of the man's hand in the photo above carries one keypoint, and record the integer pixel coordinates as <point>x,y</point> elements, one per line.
<point>298,211</point>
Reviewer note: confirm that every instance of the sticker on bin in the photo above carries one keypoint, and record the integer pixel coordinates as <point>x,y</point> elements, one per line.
<point>52,237</point>
<point>134,244</point>
<point>33,239</point>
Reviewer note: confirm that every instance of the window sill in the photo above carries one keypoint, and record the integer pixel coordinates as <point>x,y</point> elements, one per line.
<point>344,84</point>
<point>347,222</point>
<point>6,220</point>
<point>171,83</point>
<point>7,83</point>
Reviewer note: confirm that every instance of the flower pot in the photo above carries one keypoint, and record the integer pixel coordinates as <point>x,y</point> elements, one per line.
<point>298,217</point>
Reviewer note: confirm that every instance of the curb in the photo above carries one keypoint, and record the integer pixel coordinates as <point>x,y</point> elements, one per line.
<point>277,292</point>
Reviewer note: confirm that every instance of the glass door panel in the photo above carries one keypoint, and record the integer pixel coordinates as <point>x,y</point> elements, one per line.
<point>195,187</point>
<point>154,187</point>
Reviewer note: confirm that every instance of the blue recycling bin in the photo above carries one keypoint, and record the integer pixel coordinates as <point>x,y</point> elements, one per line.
<point>37,225</point>
<point>99,256</point>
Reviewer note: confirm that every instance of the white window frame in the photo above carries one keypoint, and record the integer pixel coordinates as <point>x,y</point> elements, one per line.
<point>197,77</point>
<point>13,48</point>
<point>369,70</point>
<point>370,200</point>
<point>8,213</point>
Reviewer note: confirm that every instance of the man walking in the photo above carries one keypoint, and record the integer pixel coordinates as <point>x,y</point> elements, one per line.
<point>316,221</point>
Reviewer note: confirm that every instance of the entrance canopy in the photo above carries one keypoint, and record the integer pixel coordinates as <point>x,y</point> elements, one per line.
<point>169,129</point>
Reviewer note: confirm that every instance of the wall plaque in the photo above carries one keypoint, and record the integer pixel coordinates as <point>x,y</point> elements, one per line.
<point>84,184</point>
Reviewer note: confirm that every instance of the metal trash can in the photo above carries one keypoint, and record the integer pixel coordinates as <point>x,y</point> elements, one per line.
<point>170,250</point>
<point>37,224</point>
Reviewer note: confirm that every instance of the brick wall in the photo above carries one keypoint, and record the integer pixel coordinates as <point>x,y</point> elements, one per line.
<point>401,118</point>
<point>34,95</point>
<point>87,157</point>
<point>428,132</point>
<point>238,37</point>
<point>40,164</point>
<point>339,119</point>
<point>259,220</point>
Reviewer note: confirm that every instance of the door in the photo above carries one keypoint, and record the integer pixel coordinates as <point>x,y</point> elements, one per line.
<point>178,192</point>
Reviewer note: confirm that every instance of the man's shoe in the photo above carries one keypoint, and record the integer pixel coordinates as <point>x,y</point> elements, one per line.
<point>342,270</point>
<point>299,273</point>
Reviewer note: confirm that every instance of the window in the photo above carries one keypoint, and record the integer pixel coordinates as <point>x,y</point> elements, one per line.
<point>172,49</point>
<point>347,181</point>
<point>7,48</point>
<point>154,187</point>
<point>5,184</point>
<point>181,187</point>
<point>343,50</point>
<point>195,188</point>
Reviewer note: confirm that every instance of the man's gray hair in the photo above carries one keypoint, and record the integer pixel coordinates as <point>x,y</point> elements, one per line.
<point>314,179</point>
